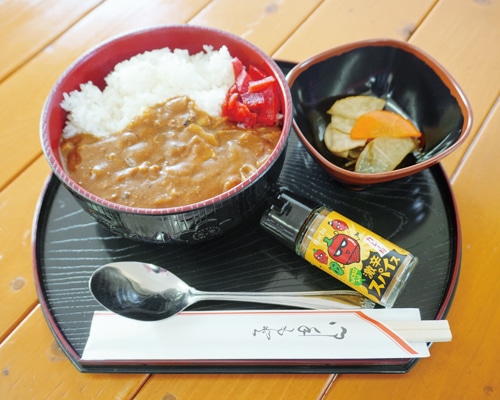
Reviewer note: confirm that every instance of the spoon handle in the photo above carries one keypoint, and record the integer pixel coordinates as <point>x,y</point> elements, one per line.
<point>320,300</point>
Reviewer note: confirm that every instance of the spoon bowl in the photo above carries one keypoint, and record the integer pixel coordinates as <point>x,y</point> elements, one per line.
<point>147,292</point>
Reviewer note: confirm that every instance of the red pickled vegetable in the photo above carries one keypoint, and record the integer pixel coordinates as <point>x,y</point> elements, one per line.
<point>257,86</point>
<point>255,73</point>
<point>237,66</point>
<point>253,98</point>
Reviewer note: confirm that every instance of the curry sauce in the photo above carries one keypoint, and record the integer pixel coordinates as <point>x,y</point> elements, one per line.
<point>172,155</point>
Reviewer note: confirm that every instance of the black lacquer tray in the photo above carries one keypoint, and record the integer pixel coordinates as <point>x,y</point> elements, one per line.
<point>418,213</point>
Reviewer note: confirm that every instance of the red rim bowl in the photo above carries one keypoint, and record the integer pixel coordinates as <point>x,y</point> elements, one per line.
<point>132,222</point>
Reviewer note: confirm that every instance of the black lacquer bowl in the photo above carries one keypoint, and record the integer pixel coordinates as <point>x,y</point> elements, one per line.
<point>192,223</point>
<point>414,85</point>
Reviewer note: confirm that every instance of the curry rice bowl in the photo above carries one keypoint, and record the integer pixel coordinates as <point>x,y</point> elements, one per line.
<point>187,223</point>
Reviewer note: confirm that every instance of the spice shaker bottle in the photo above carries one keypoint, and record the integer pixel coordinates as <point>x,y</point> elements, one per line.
<point>361,259</point>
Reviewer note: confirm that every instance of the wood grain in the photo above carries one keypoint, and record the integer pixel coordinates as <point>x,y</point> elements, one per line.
<point>464,36</point>
<point>467,366</point>
<point>212,387</point>
<point>39,39</point>
<point>34,367</point>
<point>264,23</point>
<point>17,205</point>
<point>31,25</point>
<point>447,30</point>
<point>20,118</point>
<point>338,22</point>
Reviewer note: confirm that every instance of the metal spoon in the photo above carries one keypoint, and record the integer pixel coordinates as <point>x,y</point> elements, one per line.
<point>147,292</point>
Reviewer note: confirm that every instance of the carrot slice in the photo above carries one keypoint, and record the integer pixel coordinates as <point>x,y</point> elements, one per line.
<point>383,123</point>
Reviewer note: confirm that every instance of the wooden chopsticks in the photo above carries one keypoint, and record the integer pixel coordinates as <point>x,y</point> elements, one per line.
<point>422,331</point>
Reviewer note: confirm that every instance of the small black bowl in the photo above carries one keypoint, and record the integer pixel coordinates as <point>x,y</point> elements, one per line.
<point>413,84</point>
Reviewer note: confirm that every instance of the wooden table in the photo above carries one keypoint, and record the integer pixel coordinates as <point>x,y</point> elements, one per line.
<point>39,39</point>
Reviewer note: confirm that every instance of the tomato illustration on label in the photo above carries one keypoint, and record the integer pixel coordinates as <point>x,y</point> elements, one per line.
<point>338,225</point>
<point>343,248</point>
<point>320,255</point>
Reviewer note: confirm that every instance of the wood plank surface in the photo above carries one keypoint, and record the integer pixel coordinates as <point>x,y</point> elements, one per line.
<point>464,36</point>
<point>466,367</point>
<point>20,118</point>
<point>34,367</point>
<point>341,21</point>
<point>55,59</point>
<point>32,24</point>
<point>238,386</point>
<point>262,22</point>
<point>446,30</point>
<point>17,205</point>
<point>44,37</point>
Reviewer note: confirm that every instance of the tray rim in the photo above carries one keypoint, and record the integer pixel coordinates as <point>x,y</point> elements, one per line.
<point>386,366</point>
<point>239,366</point>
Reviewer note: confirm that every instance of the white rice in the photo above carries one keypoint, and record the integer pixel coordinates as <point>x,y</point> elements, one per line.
<point>145,80</point>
